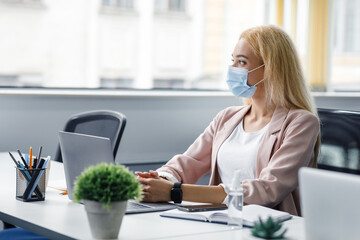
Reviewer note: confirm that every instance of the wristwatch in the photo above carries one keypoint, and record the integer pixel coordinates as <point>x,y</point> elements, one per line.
<point>176,193</point>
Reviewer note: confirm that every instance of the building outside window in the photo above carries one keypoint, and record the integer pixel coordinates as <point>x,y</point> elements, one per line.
<point>160,43</point>
<point>118,3</point>
<point>345,60</point>
<point>170,5</point>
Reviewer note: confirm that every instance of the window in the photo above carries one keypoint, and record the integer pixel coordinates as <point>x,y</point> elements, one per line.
<point>118,3</point>
<point>345,60</point>
<point>116,83</point>
<point>166,43</point>
<point>9,80</point>
<point>346,26</point>
<point>23,3</point>
<point>169,83</point>
<point>170,5</point>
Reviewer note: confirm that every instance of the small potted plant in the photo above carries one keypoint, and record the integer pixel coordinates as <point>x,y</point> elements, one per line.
<point>270,229</point>
<point>105,189</point>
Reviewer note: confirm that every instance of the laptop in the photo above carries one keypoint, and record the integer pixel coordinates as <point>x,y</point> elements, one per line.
<point>330,203</point>
<point>79,151</point>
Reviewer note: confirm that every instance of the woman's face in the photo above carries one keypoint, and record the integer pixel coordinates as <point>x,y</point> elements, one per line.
<point>244,57</point>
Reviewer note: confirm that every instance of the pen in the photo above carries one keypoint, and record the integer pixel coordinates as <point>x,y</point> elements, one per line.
<point>22,159</point>
<point>26,172</point>
<point>27,159</point>
<point>35,163</point>
<point>16,162</point>
<point>19,165</point>
<point>30,158</point>
<point>38,157</point>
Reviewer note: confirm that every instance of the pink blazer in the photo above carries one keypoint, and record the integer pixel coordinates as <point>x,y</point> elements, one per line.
<point>287,146</point>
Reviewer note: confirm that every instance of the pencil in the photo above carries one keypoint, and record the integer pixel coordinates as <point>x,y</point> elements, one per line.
<point>30,158</point>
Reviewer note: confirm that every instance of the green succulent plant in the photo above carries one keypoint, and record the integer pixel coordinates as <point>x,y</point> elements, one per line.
<point>106,183</point>
<point>270,229</point>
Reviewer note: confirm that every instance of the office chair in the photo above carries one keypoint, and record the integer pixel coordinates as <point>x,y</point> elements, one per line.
<point>102,123</point>
<point>340,141</point>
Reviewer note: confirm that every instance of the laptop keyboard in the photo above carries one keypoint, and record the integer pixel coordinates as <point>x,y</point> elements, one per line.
<point>134,206</point>
<point>141,207</point>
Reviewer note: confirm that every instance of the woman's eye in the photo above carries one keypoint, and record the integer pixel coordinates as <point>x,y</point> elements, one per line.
<point>242,62</point>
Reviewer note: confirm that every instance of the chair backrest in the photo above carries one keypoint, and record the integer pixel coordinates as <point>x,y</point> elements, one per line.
<point>340,140</point>
<point>102,123</point>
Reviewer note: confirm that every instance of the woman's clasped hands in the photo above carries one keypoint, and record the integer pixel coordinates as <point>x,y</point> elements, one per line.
<point>155,188</point>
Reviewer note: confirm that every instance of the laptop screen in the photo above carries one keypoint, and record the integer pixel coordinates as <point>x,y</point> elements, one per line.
<point>330,204</point>
<point>79,151</point>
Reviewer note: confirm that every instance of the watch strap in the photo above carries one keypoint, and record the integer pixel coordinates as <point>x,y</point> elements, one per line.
<point>177,185</point>
<point>176,193</point>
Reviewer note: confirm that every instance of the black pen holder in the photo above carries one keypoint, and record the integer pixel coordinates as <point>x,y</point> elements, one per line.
<point>30,184</point>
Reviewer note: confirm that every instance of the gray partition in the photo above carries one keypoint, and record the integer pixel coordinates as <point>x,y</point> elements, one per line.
<point>158,126</point>
<point>160,123</point>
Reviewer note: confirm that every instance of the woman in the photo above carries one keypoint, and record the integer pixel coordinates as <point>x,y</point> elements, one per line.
<point>268,139</point>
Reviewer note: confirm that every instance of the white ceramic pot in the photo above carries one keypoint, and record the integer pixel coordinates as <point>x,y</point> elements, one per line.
<point>105,224</point>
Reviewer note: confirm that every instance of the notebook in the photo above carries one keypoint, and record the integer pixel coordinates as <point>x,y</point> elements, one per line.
<point>79,151</point>
<point>330,203</point>
<point>251,214</point>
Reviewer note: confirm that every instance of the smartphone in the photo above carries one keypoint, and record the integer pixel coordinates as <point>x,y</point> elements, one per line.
<point>202,207</point>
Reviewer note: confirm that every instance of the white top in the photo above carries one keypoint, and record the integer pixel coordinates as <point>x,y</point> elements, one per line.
<point>239,152</point>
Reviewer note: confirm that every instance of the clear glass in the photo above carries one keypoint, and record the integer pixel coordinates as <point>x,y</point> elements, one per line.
<point>235,207</point>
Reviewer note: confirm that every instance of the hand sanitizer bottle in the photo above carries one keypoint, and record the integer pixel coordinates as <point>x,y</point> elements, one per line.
<point>235,205</point>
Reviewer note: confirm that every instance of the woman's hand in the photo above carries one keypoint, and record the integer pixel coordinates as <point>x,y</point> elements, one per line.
<point>155,189</point>
<point>150,174</point>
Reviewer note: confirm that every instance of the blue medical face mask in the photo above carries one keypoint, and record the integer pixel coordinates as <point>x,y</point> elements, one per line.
<point>237,81</point>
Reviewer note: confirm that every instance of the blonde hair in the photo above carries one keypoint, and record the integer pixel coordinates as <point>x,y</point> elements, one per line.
<point>284,81</point>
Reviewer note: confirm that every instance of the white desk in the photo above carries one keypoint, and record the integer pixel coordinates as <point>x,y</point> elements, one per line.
<point>59,218</point>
